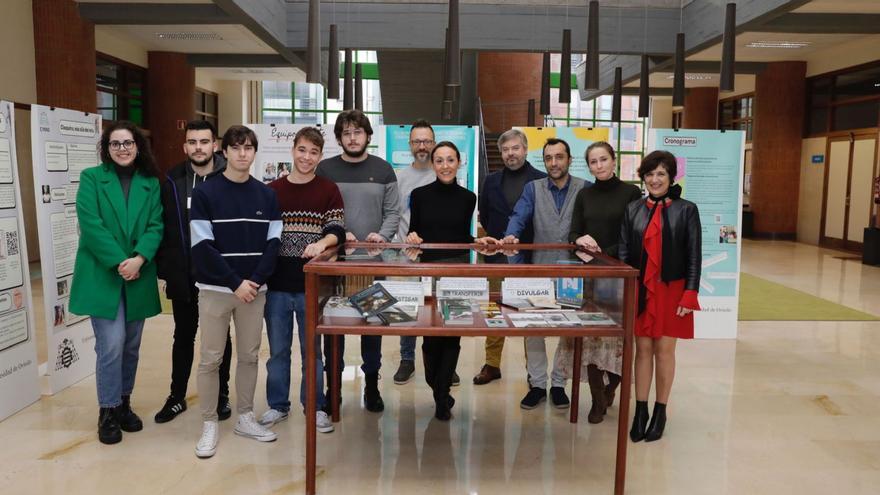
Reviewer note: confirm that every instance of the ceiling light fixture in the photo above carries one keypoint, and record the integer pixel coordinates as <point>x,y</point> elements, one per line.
<point>694,77</point>
<point>778,44</point>
<point>189,36</point>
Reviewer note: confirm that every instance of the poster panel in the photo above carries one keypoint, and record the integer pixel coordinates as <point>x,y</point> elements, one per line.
<point>578,139</point>
<point>64,143</point>
<point>710,171</point>
<point>19,380</point>
<point>274,157</point>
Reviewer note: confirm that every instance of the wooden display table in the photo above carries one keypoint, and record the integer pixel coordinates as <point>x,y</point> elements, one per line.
<point>386,260</point>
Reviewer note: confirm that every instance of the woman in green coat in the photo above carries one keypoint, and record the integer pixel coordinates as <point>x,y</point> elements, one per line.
<point>114,279</point>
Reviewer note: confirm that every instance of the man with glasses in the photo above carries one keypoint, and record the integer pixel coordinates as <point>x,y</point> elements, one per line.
<point>419,173</point>
<point>372,213</point>
<point>176,269</point>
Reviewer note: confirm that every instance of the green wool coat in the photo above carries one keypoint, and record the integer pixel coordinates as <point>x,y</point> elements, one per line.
<point>112,231</point>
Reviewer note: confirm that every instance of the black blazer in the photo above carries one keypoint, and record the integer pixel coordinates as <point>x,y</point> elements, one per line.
<point>493,210</point>
<point>684,258</point>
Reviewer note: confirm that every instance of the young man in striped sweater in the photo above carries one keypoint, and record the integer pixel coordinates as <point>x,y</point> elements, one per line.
<point>235,230</point>
<point>312,213</point>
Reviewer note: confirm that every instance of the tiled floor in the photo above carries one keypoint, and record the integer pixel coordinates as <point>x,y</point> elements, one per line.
<point>789,407</point>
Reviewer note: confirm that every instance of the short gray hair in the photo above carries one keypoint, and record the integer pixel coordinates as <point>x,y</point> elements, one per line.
<point>511,134</point>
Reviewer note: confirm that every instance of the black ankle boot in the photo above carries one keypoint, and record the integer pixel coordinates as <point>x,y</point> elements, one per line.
<point>640,421</point>
<point>128,420</point>
<point>441,409</point>
<point>372,398</point>
<point>108,426</point>
<point>658,423</point>
<point>611,388</point>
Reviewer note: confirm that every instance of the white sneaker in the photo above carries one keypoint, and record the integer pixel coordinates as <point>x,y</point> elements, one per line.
<point>272,417</point>
<point>207,445</point>
<point>323,422</point>
<point>247,426</point>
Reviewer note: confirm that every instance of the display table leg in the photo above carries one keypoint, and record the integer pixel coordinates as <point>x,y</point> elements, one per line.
<point>576,378</point>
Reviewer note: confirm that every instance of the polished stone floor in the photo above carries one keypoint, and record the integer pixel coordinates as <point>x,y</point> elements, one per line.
<point>789,407</point>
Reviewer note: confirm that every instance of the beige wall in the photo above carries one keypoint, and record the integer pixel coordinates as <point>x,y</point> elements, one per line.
<point>811,188</point>
<point>661,113</point>
<point>18,83</point>
<point>863,50</point>
<point>18,80</point>
<point>232,103</point>
<point>205,81</point>
<point>112,43</point>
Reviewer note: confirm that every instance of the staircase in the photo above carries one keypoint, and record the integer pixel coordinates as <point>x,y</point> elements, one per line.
<point>494,162</point>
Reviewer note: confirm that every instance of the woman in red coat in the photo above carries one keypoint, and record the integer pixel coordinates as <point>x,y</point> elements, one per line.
<point>661,236</point>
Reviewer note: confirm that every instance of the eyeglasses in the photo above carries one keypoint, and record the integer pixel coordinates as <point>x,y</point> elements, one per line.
<point>353,133</point>
<point>128,144</point>
<point>422,142</point>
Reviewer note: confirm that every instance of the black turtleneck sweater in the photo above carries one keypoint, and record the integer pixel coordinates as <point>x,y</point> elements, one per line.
<point>442,213</point>
<point>512,184</point>
<point>598,212</point>
<point>125,175</point>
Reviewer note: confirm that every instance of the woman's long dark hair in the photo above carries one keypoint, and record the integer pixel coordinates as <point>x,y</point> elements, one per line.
<point>143,161</point>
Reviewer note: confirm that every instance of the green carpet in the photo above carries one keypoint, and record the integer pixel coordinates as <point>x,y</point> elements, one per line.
<point>762,300</point>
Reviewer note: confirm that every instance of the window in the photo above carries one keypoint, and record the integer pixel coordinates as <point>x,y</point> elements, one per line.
<point>737,114</point>
<point>206,106</point>
<point>304,103</point>
<point>843,100</point>
<point>120,90</point>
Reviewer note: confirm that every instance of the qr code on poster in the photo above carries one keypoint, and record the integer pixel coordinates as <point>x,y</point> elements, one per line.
<point>12,243</point>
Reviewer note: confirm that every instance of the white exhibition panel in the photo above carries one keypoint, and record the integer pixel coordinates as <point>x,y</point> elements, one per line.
<point>19,378</point>
<point>64,143</point>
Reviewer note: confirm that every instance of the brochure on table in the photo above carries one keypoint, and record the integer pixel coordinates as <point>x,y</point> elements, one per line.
<point>710,171</point>
<point>578,139</point>
<point>19,380</point>
<point>64,143</point>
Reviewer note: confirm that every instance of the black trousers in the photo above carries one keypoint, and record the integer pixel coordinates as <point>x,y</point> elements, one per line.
<point>186,323</point>
<point>440,355</point>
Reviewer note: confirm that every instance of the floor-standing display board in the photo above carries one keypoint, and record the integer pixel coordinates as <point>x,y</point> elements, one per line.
<point>64,143</point>
<point>710,170</point>
<point>19,381</point>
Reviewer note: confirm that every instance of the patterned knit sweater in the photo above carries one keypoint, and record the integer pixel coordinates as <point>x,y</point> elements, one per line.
<point>309,212</point>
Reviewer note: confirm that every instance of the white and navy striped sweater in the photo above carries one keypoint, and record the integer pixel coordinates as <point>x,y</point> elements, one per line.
<point>236,230</point>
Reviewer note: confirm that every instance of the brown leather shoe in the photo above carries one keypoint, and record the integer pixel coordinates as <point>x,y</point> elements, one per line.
<point>487,374</point>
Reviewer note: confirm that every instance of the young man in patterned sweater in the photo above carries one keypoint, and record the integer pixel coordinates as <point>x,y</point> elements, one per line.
<point>312,213</point>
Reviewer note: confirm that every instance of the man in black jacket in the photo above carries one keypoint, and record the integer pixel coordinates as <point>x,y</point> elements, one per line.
<point>175,266</point>
<point>501,190</point>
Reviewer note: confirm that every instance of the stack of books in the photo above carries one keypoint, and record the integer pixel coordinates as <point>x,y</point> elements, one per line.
<point>341,307</point>
<point>457,311</point>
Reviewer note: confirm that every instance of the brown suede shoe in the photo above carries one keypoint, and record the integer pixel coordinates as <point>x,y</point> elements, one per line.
<point>487,374</point>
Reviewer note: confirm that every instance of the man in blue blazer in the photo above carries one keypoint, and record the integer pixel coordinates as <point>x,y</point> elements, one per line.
<point>501,190</point>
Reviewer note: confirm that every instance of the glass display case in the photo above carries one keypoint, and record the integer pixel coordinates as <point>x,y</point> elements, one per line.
<point>606,307</point>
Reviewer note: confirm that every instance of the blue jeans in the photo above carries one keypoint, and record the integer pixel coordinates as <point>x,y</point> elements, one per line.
<point>281,308</point>
<point>117,346</point>
<point>408,348</point>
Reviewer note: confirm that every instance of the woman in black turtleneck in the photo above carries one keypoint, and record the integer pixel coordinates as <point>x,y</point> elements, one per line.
<point>595,225</point>
<point>441,212</point>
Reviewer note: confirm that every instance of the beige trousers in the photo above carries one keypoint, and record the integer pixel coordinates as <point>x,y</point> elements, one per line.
<point>215,310</point>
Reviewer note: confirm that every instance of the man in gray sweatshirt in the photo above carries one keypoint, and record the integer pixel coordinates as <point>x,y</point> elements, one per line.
<point>372,213</point>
